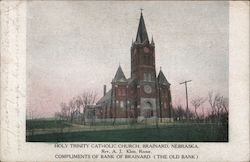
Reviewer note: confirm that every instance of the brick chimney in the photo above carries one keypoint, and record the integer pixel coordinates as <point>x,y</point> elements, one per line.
<point>104,90</point>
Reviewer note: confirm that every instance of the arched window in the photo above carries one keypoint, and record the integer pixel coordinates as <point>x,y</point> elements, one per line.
<point>148,77</point>
<point>148,105</point>
<point>121,104</point>
<point>149,60</point>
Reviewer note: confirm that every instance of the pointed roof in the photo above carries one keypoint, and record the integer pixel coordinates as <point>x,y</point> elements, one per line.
<point>162,79</point>
<point>152,41</point>
<point>119,76</point>
<point>142,34</point>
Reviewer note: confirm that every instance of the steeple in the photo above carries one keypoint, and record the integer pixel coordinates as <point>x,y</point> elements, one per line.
<point>119,76</point>
<point>142,34</point>
<point>162,79</point>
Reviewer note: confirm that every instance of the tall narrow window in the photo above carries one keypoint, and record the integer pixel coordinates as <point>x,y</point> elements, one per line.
<point>149,76</point>
<point>148,59</point>
<point>121,104</point>
<point>145,76</point>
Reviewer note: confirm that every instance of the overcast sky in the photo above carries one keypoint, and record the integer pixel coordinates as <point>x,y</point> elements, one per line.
<point>77,46</point>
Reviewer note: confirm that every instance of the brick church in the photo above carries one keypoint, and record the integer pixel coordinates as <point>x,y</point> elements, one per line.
<point>145,94</point>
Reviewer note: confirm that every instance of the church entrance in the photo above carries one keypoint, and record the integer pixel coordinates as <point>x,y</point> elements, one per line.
<point>148,110</point>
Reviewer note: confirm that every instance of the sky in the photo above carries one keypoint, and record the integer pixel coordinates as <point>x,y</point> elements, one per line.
<point>77,46</point>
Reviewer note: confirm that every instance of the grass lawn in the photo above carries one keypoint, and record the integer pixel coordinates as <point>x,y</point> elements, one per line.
<point>42,124</point>
<point>196,132</point>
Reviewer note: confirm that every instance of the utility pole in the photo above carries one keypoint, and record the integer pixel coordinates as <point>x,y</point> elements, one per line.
<point>187,110</point>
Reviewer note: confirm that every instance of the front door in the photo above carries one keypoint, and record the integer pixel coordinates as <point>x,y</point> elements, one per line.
<point>148,110</point>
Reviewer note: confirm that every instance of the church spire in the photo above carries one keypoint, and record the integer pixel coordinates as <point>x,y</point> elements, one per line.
<point>152,41</point>
<point>162,79</point>
<point>142,34</point>
<point>119,76</point>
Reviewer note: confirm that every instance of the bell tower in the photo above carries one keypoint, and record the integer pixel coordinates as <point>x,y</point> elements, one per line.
<point>143,71</point>
<point>142,95</point>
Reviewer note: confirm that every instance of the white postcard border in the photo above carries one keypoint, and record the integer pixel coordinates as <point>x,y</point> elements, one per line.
<point>13,92</point>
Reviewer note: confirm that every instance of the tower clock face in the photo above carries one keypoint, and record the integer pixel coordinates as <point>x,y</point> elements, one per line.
<point>147,89</point>
<point>146,50</point>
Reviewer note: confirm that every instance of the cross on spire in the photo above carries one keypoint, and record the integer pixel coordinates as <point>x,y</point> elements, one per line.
<point>141,10</point>
<point>142,34</point>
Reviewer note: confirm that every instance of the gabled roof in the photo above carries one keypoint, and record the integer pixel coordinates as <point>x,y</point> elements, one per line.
<point>105,98</point>
<point>162,79</point>
<point>142,34</point>
<point>119,76</point>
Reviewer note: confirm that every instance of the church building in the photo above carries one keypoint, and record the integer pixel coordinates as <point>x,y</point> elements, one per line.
<point>144,94</point>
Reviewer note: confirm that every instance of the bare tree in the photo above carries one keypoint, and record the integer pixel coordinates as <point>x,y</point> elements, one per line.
<point>84,99</point>
<point>197,102</point>
<point>64,114</point>
<point>225,104</point>
<point>78,104</point>
<point>76,107</point>
<point>212,99</point>
<point>219,105</point>
<point>179,112</point>
<point>72,109</point>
